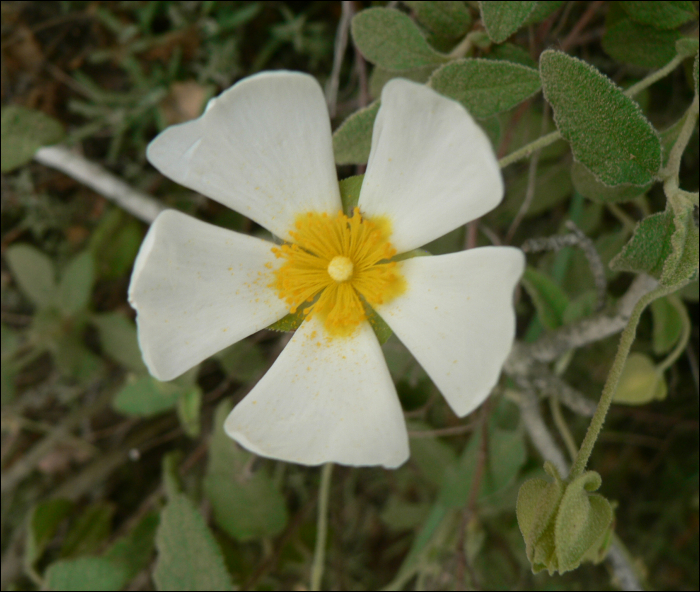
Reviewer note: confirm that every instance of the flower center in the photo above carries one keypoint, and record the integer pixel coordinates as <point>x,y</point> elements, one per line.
<point>337,265</point>
<point>340,268</point>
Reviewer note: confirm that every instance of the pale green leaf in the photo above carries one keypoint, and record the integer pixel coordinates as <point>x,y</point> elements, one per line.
<point>662,15</point>
<point>75,287</point>
<point>188,556</point>
<point>246,505</point>
<point>486,87</point>
<point>451,19</point>
<point>353,139</point>
<point>548,298</point>
<point>640,382</point>
<point>189,405</point>
<point>144,396</point>
<point>639,45</point>
<point>24,131</point>
<point>606,129</point>
<point>245,360</point>
<point>119,341</point>
<point>649,246</point>
<point>399,515</point>
<point>586,184</point>
<point>502,19</point>
<point>391,40</point>
<point>668,325</point>
<point>73,359</point>
<point>431,455</point>
<point>34,272</point>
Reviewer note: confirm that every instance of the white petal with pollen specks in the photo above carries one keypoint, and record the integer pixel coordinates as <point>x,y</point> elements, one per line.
<point>197,289</point>
<point>457,319</point>
<point>431,167</point>
<point>324,400</point>
<point>262,148</point>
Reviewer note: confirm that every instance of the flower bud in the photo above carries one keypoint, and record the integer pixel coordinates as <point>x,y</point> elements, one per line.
<point>563,523</point>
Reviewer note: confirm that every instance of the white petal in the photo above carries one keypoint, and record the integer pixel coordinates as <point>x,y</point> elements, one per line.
<point>262,148</point>
<point>324,400</point>
<point>198,288</point>
<point>457,319</point>
<point>431,167</point>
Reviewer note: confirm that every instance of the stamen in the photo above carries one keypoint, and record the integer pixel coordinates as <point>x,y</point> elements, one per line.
<point>333,264</point>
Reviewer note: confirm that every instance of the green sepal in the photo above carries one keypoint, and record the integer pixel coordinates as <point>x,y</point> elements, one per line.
<point>289,322</point>
<point>350,193</point>
<point>562,522</point>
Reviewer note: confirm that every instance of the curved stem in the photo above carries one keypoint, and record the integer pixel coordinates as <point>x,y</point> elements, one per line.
<point>682,341</point>
<point>623,350</point>
<point>321,528</point>
<point>562,428</point>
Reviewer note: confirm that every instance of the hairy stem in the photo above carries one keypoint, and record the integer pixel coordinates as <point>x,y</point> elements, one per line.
<point>623,350</point>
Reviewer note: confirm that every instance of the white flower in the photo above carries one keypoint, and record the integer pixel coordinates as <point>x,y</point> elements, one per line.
<point>263,148</point>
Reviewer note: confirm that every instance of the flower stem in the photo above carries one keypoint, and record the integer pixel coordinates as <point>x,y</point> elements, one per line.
<point>543,141</point>
<point>321,527</point>
<point>623,350</point>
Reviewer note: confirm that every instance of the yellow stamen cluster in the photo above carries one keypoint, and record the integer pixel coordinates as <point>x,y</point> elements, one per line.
<point>332,264</point>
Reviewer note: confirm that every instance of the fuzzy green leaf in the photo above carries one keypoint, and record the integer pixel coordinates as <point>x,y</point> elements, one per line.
<point>353,139</point>
<point>144,396</point>
<point>89,530</point>
<point>24,131</point>
<point>391,40</point>
<point>640,45</point>
<point>451,19</point>
<point>662,15</point>
<point>246,506</point>
<point>244,361</point>
<point>379,77</point>
<point>502,19</point>
<point>75,287</point>
<point>486,87</point>
<point>510,52</point>
<point>34,272</point>
<point>587,185</point>
<point>606,129</point>
<point>649,246</point>
<point>682,263</point>
<point>188,556</point>
<point>119,341</point>
<point>189,406</point>
<point>548,298</point>
<point>640,382</point>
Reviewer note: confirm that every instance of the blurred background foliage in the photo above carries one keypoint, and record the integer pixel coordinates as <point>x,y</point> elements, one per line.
<point>94,449</point>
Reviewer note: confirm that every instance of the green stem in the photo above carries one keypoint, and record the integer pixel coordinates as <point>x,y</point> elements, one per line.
<point>654,76</point>
<point>563,429</point>
<point>528,149</point>
<point>623,350</point>
<point>670,172</point>
<point>685,335</point>
<point>321,528</point>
